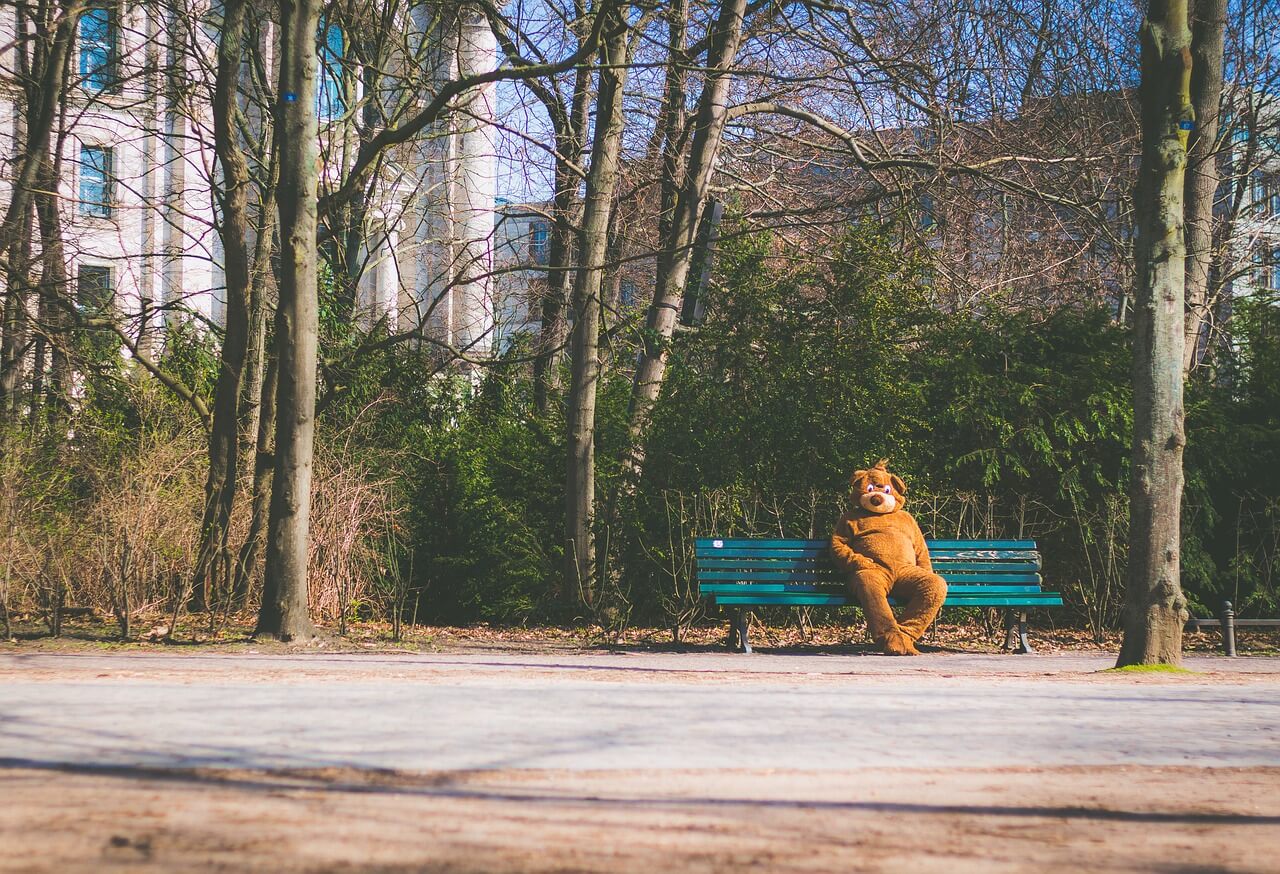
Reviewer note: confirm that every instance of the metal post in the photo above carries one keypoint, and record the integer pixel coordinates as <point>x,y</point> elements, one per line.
<point>1228,630</point>
<point>1024,645</point>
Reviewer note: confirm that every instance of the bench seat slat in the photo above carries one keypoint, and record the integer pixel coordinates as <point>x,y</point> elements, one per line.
<point>980,544</point>
<point>823,553</point>
<point>753,588</point>
<point>988,578</point>
<point>1043,599</point>
<point>718,543</point>
<point>742,552</point>
<point>940,565</point>
<point>799,543</point>
<point>812,575</point>
<point>747,576</point>
<point>985,555</point>
<point>779,564</point>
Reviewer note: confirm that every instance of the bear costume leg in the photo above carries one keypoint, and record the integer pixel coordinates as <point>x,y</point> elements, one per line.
<point>923,593</point>
<point>871,588</point>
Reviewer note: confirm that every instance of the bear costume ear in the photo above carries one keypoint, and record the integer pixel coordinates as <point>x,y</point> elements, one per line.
<point>898,485</point>
<point>854,480</point>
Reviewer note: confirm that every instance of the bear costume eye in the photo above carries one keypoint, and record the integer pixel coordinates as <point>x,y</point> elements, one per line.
<point>870,487</point>
<point>886,489</point>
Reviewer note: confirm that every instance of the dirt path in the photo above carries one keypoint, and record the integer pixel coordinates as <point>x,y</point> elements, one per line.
<point>995,820</point>
<point>1119,772</point>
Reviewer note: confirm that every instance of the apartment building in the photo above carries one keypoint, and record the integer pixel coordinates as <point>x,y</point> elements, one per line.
<point>136,165</point>
<point>134,160</point>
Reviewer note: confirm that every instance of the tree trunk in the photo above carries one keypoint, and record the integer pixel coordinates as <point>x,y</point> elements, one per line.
<point>40,53</point>
<point>1209,19</point>
<point>264,460</point>
<point>677,243</point>
<point>1155,609</point>
<point>261,290</point>
<point>284,612</point>
<point>54,294</point>
<point>13,345</point>
<point>224,433</point>
<point>602,180</point>
<point>43,97</point>
<point>570,145</point>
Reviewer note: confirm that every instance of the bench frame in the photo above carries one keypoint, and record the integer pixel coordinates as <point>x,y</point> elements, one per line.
<point>1228,621</point>
<point>755,572</point>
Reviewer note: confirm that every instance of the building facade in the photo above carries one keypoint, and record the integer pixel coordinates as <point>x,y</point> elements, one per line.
<point>136,171</point>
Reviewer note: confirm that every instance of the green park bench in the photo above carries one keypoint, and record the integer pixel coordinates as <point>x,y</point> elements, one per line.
<point>738,573</point>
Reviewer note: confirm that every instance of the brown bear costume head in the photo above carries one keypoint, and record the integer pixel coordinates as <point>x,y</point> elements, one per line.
<point>878,491</point>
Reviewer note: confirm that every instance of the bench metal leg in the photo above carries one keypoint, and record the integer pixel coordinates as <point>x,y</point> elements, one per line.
<point>1019,621</point>
<point>738,630</point>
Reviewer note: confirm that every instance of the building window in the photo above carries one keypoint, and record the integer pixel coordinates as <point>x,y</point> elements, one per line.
<point>629,293</point>
<point>1266,193</point>
<point>540,242</point>
<point>93,288</point>
<point>99,49</point>
<point>95,181</point>
<point>928,214</point>
<point>329,97</point>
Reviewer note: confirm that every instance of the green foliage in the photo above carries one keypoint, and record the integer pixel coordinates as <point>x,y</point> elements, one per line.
<point>1231,539</point>
<point>1003,423</point>
<point>488,504</point>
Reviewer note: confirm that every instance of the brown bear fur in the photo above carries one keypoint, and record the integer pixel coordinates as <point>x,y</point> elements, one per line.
<point>880,545</point>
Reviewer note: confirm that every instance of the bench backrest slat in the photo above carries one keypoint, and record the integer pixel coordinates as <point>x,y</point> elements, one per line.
<point>780,565</point>
<point>797,543</point>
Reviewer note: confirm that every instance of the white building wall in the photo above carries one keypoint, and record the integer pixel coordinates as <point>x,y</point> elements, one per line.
<point>157,241</point>
<point>429,258</point>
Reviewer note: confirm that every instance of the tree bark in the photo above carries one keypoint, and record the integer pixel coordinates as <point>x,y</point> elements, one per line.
<point>602,181</point>
<point>40,51</point>
<point>261,291</point>
<point>233,228</point>
<point>13,345</point>
<point>264,461</point>
<point>43,96</point>
<point>677,243</point>
<point>1209,19</point>
<point>571,134</point>
<point>1155,608</point>
<point>284,612</point>
<point>54,294</point>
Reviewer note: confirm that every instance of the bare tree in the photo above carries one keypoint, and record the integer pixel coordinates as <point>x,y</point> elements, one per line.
<point>234,228</point>
<point>45,33</point>
<point>1155,608</point>
<point>681,223</point>
<point>1209,19</point>
<point>602,181</point>
<point>284,612</point>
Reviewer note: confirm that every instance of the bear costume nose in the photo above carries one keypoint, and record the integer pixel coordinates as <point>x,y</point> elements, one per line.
<point>876,500</point>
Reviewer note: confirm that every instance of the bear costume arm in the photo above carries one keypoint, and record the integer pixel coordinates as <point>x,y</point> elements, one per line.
<point>843,555</point>
<point>922,549</point>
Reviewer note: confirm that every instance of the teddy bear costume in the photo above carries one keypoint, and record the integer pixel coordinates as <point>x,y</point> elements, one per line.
<point>880,545</point>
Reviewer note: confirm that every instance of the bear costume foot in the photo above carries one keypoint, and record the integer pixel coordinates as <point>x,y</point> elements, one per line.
<point>898,644</point>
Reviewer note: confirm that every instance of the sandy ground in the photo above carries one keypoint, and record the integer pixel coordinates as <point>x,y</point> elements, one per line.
<point>992,820</point>
<point>63,809</point>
